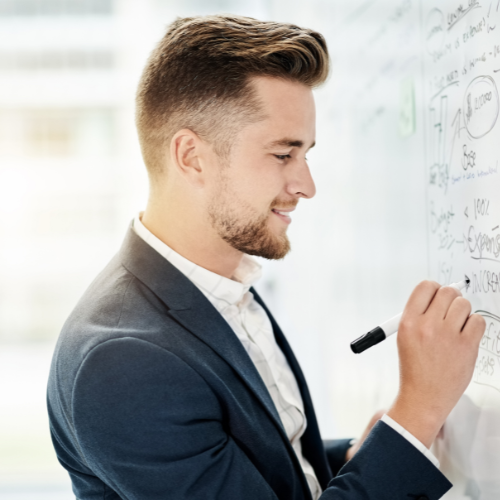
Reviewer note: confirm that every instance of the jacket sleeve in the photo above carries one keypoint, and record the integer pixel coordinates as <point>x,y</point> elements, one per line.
<point>336,450</point>
<point>387,466</point>
<point>150,427</point>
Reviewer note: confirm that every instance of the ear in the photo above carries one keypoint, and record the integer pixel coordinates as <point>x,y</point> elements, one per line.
<point>185,155</point>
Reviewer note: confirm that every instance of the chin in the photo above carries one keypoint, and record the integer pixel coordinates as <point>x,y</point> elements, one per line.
<point>257,236</point>
<point>272,248</point>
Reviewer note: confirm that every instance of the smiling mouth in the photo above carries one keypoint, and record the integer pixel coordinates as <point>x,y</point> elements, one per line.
<point>283,215</point>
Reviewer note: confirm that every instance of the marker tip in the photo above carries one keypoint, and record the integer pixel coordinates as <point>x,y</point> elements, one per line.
<point>467,282</point>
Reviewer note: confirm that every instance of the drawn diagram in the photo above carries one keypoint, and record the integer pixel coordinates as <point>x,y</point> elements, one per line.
<point>487,370</point>
<point>439,169</point>
<point>461,57</point>
<point>481,106</point>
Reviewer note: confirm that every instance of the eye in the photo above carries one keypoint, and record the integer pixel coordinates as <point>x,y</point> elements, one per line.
<point>282,157</point>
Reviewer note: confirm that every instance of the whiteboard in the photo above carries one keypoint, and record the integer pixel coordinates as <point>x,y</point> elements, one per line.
<point>407,171</point>
<point>461,67</point>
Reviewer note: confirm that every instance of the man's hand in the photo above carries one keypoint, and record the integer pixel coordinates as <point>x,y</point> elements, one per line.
<point>357,445</point>
<point>438,342</point>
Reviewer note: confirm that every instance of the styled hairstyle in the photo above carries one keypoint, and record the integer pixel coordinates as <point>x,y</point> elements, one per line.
<point>198,77</point>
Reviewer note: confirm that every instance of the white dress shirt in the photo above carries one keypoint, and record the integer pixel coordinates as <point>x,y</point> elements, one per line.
<point>250,323</point>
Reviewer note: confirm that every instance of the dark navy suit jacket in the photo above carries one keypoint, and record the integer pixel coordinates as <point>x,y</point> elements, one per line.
<point>152,396</point>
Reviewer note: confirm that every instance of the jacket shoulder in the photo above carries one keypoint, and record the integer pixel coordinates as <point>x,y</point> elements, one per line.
<point>116,305</point>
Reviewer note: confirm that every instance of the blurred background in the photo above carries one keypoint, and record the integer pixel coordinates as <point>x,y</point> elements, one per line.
<point>71,179</point>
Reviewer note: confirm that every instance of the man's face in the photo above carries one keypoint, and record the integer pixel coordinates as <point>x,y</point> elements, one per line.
<point>266,173</point>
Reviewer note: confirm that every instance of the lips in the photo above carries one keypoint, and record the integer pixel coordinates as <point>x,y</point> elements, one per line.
<point>284,215</point>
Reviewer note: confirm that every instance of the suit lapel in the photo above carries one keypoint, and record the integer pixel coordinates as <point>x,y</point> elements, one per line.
<point>312,444</point>
<point>204,321</point>
<point>189,307</point>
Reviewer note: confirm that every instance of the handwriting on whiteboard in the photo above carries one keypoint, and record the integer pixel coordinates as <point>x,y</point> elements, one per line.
<point>462,107</point>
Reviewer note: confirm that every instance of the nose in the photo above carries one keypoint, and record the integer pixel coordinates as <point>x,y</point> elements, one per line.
<point>301,183</point>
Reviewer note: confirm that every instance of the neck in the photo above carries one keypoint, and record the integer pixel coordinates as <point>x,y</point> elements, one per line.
<point>189,233</point>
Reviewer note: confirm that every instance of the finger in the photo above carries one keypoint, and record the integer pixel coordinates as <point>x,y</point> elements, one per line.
<point>458,313</point>
<point>421,297</point>
<point>474,327</point>
<point>442,302</point>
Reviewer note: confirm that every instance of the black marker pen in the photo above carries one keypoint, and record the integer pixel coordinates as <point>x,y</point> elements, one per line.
<point>390,326</point>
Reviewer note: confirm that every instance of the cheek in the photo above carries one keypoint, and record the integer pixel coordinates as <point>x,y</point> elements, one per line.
<point>255,193</point>
<point>261,182</point>
<point>254,179</point>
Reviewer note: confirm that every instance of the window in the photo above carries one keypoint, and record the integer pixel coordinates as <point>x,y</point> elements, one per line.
<point>55,7</point>
<point>57,133</point>
<point>56,60</point>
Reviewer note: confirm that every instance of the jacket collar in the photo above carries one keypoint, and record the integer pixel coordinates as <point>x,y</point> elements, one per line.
<point>189,307</point>
<point>222,292</point>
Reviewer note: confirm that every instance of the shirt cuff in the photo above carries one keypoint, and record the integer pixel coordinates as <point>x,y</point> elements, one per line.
<point>411,438</point>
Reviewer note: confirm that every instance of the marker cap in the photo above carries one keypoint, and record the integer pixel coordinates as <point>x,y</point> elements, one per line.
<point>368,340</point>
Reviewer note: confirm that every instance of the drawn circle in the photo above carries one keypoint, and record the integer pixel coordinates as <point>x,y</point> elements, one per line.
<point>435,32</point>
<point>480,106</point>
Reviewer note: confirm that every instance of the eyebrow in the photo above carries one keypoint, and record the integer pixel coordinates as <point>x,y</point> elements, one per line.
<point>291,143</point>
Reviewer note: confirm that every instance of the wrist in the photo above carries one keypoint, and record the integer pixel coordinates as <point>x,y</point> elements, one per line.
<point>417,420</point>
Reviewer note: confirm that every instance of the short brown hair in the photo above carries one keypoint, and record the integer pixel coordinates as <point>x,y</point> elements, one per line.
<point>198,77</point>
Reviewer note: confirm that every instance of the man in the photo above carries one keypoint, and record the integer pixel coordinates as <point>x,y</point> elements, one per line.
<point>171,378</point>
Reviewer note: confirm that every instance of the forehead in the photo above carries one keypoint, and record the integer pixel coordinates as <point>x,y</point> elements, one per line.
<point>288,108</point>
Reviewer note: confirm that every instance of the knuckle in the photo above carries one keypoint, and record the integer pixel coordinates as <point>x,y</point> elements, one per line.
<point>463,304</point>
<point>448,292</point>
<point>479,321</point>
<point>477,324</point>
<point>406,324</point>
<point>482,323</point>
<point>428,286</point>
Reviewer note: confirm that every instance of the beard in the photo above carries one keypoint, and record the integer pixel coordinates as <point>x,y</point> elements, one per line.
<point>246,230</point>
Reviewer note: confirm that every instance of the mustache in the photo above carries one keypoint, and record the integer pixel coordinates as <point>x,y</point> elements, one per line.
<point>284,204</point>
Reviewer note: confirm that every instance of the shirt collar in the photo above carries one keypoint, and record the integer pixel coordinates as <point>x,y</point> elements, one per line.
<point>221,291</point>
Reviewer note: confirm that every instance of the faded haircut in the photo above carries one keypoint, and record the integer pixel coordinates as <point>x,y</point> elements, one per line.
<point>199,77</point>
